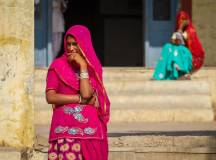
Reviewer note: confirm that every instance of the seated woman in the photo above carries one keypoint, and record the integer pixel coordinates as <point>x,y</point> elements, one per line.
<point>175,61</point>
<point>192,42</point>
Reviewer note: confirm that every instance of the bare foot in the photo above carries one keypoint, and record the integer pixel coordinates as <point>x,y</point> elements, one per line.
<point>185,77</point>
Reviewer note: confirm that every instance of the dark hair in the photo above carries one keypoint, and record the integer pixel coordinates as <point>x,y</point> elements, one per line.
<point>69,35</point>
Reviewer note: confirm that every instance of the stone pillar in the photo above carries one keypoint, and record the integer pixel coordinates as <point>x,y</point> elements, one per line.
<point>205,24</point>
<point>16,73</point>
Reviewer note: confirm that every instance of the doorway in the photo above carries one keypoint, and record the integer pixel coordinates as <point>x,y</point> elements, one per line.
<point>160,17</point>
<point>116,28</point>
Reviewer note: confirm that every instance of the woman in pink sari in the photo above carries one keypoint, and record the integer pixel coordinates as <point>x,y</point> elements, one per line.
<point>80,104</point>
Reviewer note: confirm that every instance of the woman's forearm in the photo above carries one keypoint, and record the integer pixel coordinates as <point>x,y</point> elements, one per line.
<point>61,99</point>
<point>86,90</point>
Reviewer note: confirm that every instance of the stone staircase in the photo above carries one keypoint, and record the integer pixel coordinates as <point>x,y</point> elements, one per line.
<point>154,120</point>
<point>135,98</point>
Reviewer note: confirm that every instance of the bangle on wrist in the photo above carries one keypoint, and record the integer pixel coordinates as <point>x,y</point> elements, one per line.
<point>84,75</point>
<point>80,99</point>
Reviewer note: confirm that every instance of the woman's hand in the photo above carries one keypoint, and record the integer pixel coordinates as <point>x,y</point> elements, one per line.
<point>94,101</point>
<point>183,25</point>
<point>77,58</point>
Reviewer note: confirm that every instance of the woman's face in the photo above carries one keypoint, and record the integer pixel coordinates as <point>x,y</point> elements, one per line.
<point>183,20</point>
<point>72,46</point>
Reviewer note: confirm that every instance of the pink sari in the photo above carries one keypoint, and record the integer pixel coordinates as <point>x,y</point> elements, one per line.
<point>86,123</point>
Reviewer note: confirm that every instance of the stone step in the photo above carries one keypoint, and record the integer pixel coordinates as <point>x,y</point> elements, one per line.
<point>162,115</point>
<point>142,73</point>
<point>154,141</point>
<point>123,151</point>
<point>162,148</point>
<point>158,128</point>
<point>174,129</point>
<point>128,73</point>
<point>147,101</point>
<point>135,87</point>
<point>159,114</point>
<point>162,141</point>
<point>117,129</point>
<point>161,101</point>
<point>109,73</point>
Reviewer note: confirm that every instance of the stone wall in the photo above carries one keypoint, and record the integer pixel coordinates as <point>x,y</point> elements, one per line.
<point>16,73</point>
<point>203,13</point>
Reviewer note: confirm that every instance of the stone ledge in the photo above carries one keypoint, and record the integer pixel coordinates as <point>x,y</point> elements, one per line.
<point>7,153</point>
<point>151,141</point>
<point>189,150</point>
<point>115,155</point>
<point>162,127</point>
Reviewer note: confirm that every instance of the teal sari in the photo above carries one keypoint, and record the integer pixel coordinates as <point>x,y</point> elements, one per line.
<point>175,61</point>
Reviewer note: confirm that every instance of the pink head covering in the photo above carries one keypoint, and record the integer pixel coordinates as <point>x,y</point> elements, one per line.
<point>83,38</point>
<point>63,68</point>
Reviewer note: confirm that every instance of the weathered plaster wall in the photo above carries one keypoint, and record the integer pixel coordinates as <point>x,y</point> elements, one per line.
<point>16,72</point>
<point>205,23</point>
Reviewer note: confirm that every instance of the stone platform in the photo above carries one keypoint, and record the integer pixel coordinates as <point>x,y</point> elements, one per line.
<point>151,140</point>
<point>140,141</point>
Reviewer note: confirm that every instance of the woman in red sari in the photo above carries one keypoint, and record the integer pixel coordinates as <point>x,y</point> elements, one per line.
<point>184,25</point>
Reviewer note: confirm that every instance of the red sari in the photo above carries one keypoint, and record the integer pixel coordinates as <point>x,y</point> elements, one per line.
<point>192,41</point>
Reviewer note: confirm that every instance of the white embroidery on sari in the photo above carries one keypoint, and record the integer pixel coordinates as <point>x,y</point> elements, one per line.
<point>76,113</point>
<point>61,129</point>
<point>75,130</point>
<point>89,130</point>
